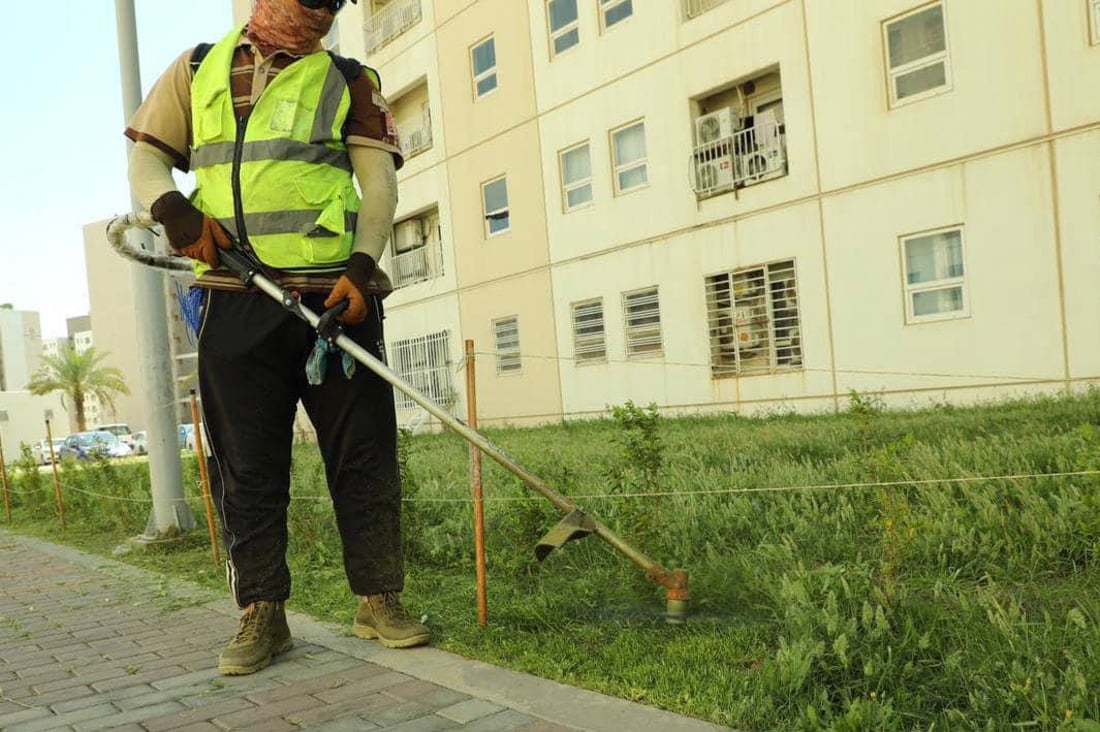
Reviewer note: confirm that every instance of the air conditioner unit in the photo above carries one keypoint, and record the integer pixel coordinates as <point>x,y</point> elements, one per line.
<point>408,235</point>
<point>713,174</point>
<point>714,126</point>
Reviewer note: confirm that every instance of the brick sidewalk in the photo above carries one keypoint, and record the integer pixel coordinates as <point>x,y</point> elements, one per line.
<point>88,644</point>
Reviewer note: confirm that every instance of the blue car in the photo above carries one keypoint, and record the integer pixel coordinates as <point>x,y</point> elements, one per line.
<point>89,445</point>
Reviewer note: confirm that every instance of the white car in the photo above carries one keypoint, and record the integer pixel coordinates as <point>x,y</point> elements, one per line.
<point>41,450</point>
<point>120,430</point>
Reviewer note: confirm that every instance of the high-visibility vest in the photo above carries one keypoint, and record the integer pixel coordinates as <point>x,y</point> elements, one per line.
<point>280,179</point>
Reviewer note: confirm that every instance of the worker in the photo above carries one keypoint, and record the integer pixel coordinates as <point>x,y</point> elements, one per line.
<point>274,129</point>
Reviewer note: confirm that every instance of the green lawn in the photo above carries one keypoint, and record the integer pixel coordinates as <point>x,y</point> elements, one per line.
<point>952,597</point>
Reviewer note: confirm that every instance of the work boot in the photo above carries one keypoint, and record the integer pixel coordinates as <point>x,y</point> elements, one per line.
<point>261,635</point>
<point>383,617</point>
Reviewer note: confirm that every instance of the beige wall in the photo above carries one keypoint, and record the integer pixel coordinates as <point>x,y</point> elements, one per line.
<point>1079,227</point>
<point>531,395</point>
<point>996,96</point>
<point>678,265</point>
<point>114,320</point>
<point>26,423</point>
<point>468,121</point>
<point>1073,64</point>
<point>660,94</point>
<point>1014,329</point>
<point>480,257</point>
<point>20,348</point>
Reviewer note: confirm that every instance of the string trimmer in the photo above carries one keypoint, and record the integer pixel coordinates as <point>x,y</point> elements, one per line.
<point>576,524</point>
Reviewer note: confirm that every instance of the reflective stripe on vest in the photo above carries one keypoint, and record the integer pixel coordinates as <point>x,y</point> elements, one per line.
<point>282,178</point>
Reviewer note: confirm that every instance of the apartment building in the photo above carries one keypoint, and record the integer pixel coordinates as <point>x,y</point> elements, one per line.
<point>22,414</point>
<point>115,332</point>
<point>20,347</point>
<point>739,204</point>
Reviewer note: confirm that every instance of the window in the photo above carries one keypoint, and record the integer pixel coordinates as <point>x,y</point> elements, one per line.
<point>613,11</point>
<point>494,199</point>
<point>935,286</point>
<point>576,176</point>
<point>483,57</point>
<point>506,337</point>
<point>916,46</point>
<point>425,362</point>
<point>1094,18</point>
<point>642,311</point>
<point>564,28</point>
<point>628,152</point>
<point>752,320</point>
<point>589,344</point>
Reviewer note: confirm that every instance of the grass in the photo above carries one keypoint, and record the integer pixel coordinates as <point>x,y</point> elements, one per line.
<point>910,604</point>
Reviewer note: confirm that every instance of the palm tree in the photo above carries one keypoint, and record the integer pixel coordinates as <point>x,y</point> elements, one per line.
<point>77,375</point>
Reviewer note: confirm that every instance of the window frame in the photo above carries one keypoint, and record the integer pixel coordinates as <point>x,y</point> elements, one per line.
<point>486,213</point>
<point>1094,22</point>
<point>433,379</point>
<point>631,332</point>
<point>603,6</point>
<point>504,357</point>
<point>944,56</point>
<point>568,187</point>
<point>586,357</point>
<point>553,35</point>
<point>476,76</point>
<point>617,169</point>
<point>724,307</point>
<point>909,290</point>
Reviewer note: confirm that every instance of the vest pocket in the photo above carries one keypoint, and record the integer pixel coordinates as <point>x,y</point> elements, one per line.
<point>327,241</point>
<point>208,122</point>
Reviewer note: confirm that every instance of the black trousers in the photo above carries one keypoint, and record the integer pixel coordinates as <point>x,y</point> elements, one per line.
<point>252,358</point>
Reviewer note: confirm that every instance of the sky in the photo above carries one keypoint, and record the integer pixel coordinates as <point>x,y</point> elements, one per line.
<point>64,155</point>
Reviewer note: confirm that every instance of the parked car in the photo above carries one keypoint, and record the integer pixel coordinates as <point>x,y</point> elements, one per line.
<point>89,445</point>
<point>41,450</point>
<point>141,442</point>
<point>120,430</point>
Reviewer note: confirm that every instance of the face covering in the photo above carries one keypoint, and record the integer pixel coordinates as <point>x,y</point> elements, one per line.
<point>286,25</point>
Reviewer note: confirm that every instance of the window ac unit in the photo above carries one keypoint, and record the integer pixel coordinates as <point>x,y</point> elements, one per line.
<point>715,126</point>
<point>408,235</point>
<point>713,174</point>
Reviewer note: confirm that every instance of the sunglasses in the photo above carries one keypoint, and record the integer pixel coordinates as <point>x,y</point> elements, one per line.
<point>334,6</point>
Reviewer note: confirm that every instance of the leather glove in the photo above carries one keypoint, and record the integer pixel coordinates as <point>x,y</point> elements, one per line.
<point>352,286</point>
<point>190,232</point>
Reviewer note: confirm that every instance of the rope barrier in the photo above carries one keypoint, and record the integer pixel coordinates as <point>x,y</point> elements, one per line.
<point>863,372</point>
<point>660,494</point>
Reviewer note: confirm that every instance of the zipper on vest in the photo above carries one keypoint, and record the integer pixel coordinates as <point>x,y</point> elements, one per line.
<point>238,203</point>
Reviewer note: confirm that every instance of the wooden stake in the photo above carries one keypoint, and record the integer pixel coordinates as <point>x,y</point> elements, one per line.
<point>205,479</point>
<point>475,485</point>
<point>56,478</point>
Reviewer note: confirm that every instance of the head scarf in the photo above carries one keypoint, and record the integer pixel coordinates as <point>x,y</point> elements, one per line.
<point>287,25</point>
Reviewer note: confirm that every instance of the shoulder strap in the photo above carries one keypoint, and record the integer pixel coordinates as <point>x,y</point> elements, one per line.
<point>351,69</point>
<point>198,55</point>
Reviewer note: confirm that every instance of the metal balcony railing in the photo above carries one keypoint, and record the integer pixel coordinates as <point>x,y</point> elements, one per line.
<point>693,8</point>
<point>414,139</point>
<point>390,22</point>
<point>747,157</point>
<point>416,265</point>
